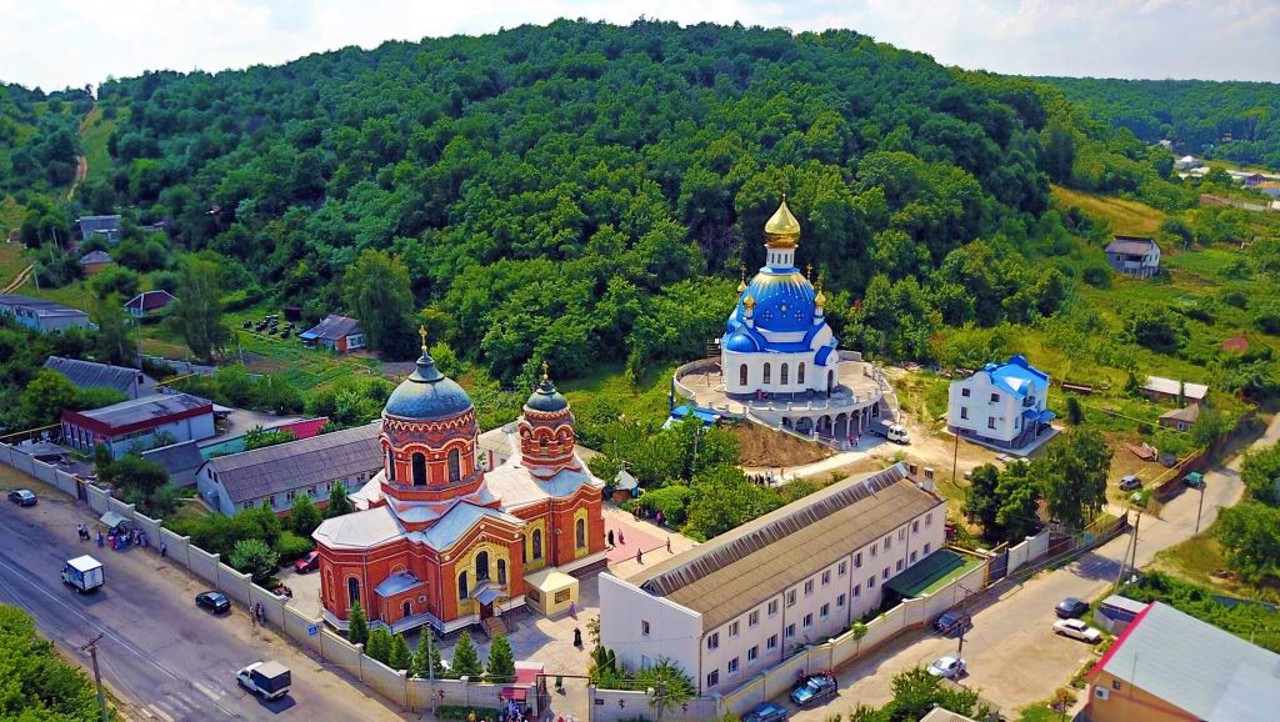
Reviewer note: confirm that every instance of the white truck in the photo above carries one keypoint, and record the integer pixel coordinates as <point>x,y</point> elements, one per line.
<point>84,573</point>
<point>269,680</point>
<point>889,430</point>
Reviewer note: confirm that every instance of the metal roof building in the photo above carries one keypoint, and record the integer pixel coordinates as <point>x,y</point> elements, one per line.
<point>141,422</point>
<point>91,374</point>
<point>181,460</point>
<point>1171,666</point>
<point>278,473</point>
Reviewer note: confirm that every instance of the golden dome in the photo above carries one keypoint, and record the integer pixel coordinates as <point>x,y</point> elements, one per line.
<point>742,279</point>
<point>821,299</point>
<point>749,303</point>
<point>782,230</point>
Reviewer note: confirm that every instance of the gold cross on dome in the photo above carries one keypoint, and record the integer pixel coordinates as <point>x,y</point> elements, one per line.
<point>422,331</point>
<point>808,271</point>
<point>545,376</point>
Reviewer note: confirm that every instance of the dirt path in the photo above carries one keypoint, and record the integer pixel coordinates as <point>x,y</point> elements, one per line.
<point>19,279</point>
<point>82,169</point>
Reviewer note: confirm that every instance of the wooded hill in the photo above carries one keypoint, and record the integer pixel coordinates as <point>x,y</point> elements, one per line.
<point>583,193</point>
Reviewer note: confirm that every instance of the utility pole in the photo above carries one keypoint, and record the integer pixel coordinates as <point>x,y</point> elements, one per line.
<point>92,648</point>
<point>955,456</point>
<point>1200,508</point>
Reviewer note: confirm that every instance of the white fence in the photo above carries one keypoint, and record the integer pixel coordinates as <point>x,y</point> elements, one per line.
<point>409,693</point>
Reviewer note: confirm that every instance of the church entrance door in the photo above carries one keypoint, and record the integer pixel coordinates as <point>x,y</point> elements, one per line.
<point>486,611</point>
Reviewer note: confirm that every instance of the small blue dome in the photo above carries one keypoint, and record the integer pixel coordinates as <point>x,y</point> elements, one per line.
<point>741,343</point>
<point>545,398</point>
<point>427,394</point>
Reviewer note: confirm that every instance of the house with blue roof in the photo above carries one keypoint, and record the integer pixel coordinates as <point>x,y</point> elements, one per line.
<point>1001,404</point>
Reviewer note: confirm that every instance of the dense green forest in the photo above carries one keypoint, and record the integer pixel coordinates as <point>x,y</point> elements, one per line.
<point>583,193</point>
<point>1235,121</point>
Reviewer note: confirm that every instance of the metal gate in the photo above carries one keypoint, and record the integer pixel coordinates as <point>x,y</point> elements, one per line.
<point>998,564</point>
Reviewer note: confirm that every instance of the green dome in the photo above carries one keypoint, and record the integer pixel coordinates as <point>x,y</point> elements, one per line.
<point>427,394</point>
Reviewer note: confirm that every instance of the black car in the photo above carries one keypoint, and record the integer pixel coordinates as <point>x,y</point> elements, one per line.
<point>767,712</point>
<point>814,688</point>
<point>214,601</point>
<point>1070,608</point>
<point>23,497</point>
<point>1130,483</point>
<point>953,622</point>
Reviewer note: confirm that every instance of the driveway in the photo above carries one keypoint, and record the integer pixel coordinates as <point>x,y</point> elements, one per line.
<point>1014,657</point>
<point>164,658</point>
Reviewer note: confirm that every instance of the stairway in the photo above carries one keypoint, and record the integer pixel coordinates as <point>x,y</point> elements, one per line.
<point>493,626</point>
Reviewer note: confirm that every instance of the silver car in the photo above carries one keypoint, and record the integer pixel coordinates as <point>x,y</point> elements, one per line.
<point>1077,629</point>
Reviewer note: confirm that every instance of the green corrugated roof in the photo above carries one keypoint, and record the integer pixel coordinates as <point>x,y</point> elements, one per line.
<point>916,579</point>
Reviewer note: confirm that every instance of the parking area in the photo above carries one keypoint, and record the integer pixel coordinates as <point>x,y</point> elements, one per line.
<point>306,591</point>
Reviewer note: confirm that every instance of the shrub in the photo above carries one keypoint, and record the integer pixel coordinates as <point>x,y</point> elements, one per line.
<point>672,501</point>
<point>463,712</point>
<point>290,546</point>
<point>1097,276</point>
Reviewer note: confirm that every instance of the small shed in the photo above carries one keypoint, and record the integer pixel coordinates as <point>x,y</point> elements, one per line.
<point>336,333</point>
<point>625,486</point>
<point>1116,613</point>
<point>149,303</point>
<point>1180,419</point>
<point>94,261</point>
<point>551,591</point>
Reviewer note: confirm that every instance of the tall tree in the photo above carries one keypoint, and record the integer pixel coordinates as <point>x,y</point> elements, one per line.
<point>400,657</point>
<point>339,504</point>
<point>357,624</point>
<point>466,661</point>
<point>502,661</point>
<point>426,659</point>
<point>981,504</point>
<point>1074,475</point>
<point>1019,499</point>
<point>304,517</point>
<point>377,286</point>
<point>671,686</point>
<point>45,397</point>
<point>198,309</point>
<point>1250,535</point>
<point>114,345</point>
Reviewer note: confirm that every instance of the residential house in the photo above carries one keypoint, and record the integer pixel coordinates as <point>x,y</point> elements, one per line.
<point>1171,667</point>
<point>279,473</point>
<point>107,227</point>
<point>137,422</point>
<point>91,374</point>
<point>181,460</point>
<point>149,303</point>
<point>1186,162</point>
<point>942,714</point>
<point>1180,419</point>
<point>1001,404</point>
<point>743,601</point>
<point>1158,388</point>
<point>41,315</point>
<point>94,261</point>
<point>336,333</point>
<point>1134,256</point>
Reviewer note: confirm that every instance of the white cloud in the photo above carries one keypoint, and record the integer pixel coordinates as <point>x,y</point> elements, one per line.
<point>55,43</point>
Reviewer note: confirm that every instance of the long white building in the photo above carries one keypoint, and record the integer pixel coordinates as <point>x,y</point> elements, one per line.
<point>748,599</point>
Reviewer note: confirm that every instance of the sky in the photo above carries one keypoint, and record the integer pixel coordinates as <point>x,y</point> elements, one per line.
<point>61,43</point>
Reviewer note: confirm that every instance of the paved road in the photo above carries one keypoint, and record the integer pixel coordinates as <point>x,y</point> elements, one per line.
<point>1014,657</point>
<point>160,655</point>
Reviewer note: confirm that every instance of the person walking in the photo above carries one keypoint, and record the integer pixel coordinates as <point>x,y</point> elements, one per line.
<point>639,556</point>
<point>668,545</point>
<point>610,537</point>
<point>164,550</point>
<point>622,541</point>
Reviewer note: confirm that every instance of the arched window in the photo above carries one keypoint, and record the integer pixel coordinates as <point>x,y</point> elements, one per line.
<point>419,470</point>
<point>502,572</point>
<point>353,590</point>
<point>782,375</point>
<point>455,465</point>
<point>831,381</point>
<point>537,543</point>
<point>482,567</point>
<point>580,533</point>
<point>406,610</point>
<point>767,375</point>
<point>391,465</point>
<point>542,447</point>
<point>462,586</point>
<point>742,375</point>
<point>800,373</point>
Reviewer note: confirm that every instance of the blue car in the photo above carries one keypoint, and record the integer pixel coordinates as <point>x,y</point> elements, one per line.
<point>814,689</point>
<point>767,712</point>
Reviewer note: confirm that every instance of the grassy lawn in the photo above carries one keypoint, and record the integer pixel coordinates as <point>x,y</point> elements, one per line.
<point>647,400</point>
<point>1038,712</point>
<point>11,261</point>
<point>95,130</point>
<point>1195,560</point>
<point>11,217</point>
<point>1124,217</point>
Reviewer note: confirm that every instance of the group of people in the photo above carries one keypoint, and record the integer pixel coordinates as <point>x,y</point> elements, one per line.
<point>513,711</point>
<point>117,538</point>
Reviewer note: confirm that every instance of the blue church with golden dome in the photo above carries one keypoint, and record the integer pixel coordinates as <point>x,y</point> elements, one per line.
<point>777,343</point>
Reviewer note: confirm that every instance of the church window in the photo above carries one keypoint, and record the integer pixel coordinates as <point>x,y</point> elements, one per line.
<point>419,470</point>
<point>542,447</point>
<point>482,567</point>
<point>800,373</point>
<point>767,375</point>
<point>455,465</point>
<point>502,572</point>
<point>353,590</point>
<point>782,375</point>
<point>391,465</point>
<point>742,375</point>
<point>537,543</point>
<point>406,610</point>
<point>462,586</point>
<point>831,381</point>
<point>580,533</point>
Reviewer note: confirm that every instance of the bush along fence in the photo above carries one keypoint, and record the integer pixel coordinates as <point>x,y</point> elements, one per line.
<point>410,693</point>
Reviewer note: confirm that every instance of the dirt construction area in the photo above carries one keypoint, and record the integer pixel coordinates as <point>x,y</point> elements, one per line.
<point>761,447</point>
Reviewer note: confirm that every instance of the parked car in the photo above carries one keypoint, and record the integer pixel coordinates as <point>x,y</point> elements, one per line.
<point>814,688</point>
<point>214,601</point>
<point>767,712</point>
<point>1071,608</point>
<point>308,563</point>
<point>1077,629</point>
<point>1195,480</point>
<point>949,667</point>
<point>269,680</point>
<point>1130,482</point>
<point>953,621</point>
<point>23,497</point>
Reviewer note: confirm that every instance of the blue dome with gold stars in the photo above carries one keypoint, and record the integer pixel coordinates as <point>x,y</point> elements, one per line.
<point>783,300</point>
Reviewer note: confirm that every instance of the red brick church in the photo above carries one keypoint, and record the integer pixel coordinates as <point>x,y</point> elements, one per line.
<point>436,539</point>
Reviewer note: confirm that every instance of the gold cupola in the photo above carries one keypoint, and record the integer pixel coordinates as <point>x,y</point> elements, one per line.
<point>782,230</point>
<point>742,279</point>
